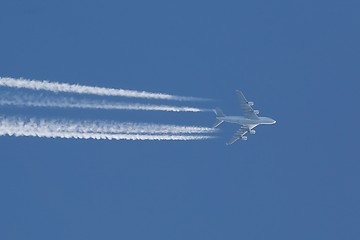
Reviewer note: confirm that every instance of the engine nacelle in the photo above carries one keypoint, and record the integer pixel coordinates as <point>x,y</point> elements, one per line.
<point>256,111</point>
<point>251,104</point>
<point>244,138</point>
<point>252,131</point>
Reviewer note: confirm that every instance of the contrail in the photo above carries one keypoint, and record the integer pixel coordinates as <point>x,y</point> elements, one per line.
<point>81,89</point>
<point>104,126</point>
<point>68,102</point>
<point>43,133</point>
<point>98,130</point>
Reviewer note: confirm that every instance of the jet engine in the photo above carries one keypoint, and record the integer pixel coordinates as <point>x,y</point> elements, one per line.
<point>252,131</point>
<point>256,111</point>
<point>251,104</point>
<point>244,138</point>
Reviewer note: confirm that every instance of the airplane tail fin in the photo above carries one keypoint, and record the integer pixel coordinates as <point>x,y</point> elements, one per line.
<point>219,113</point>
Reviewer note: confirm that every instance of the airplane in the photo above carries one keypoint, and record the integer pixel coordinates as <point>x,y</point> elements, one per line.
<point>248,122</point>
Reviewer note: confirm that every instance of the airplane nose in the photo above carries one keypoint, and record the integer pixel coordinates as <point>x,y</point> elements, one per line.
<point>274,121</point>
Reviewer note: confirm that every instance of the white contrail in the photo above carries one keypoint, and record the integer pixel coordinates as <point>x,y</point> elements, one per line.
<point>81,89</point>
<point>127,127</point>
<point>68,102</point>
<point>18,132</point>
<point>98,130</point>
<point>104,126</point>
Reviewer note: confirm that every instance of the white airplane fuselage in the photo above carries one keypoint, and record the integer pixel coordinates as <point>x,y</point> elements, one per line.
<point>246,121</point>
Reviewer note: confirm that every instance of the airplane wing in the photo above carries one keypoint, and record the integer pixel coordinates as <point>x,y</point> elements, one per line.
<point>246,107</point>
<point>238,135</point>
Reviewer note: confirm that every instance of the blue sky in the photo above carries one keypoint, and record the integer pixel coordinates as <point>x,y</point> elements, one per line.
<point>297,60</point>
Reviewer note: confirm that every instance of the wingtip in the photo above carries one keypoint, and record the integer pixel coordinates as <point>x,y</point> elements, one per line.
<point>239,92</point>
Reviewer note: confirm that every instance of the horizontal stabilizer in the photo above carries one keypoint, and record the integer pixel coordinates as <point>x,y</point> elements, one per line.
<point>217,123</point>
<point>219,112</point>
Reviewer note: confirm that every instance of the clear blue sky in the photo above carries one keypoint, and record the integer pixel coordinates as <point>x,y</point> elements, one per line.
<point>298,179</point>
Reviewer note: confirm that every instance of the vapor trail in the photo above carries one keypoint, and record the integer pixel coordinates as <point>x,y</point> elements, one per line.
<point>66,102</point>
<point>98,130</point>
<point>44,133</point>
<point>81,89</point>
